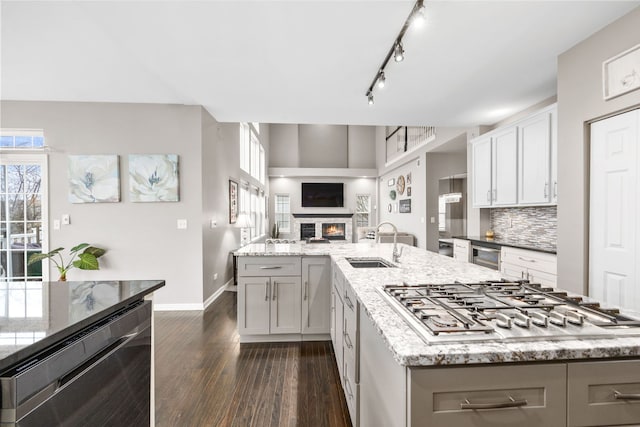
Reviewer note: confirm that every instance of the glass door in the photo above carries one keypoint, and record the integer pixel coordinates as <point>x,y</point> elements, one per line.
<point>23,215</point>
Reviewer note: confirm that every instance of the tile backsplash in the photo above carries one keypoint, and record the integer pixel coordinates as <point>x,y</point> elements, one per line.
<point>531,224</point>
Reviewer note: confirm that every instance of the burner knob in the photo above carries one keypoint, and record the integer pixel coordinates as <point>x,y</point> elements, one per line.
<point>503,321</point>
<point>540,319</point>
<point>522,320</point>
<point>575,318</point>
<point>558,319</point>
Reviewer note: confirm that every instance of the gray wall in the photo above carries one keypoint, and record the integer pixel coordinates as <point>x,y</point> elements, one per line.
<point>142,239</point>
<point>579,102</point>
<point>439,165</point>
<point>322,146</point>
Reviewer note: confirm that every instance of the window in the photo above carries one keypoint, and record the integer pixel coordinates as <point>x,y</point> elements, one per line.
<point>21,139</point>
<point>252,154</point>
<point>363,209</point>
<point>282,213</point>
<point>252,202</point>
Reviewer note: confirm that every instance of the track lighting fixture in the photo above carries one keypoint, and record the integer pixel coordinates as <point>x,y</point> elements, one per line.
<point>381,79</point>
<point>397,50</point>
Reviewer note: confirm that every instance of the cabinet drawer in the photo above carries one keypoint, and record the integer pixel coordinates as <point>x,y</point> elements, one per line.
<point>536,393</point>
<point>539,261</point>
<point>597,393</point>
<point>269,266</point>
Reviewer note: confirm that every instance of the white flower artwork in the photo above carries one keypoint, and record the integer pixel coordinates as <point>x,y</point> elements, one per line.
<point>94,179</point>
<point>153,177</point>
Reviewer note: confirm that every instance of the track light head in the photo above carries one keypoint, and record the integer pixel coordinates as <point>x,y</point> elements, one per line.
<point>370,98</point>
<point>418,18</point>
<point>398,53</point>
<point>381,79</point>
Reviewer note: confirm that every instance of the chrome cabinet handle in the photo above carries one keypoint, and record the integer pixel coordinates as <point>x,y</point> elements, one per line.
<point>625,396</point>
<point>347,386</point>
<point>488,195</point>
<point>511,403</point>
<point>546,189</point>
<point>270,267</point>
<point>306,289</point>
<point>347,340</point>
<point>495,194</point>
<point>275,287</point>
<point>526,259</point>
<point>266,290</point>
<point>555,189</point>
<point>347,300</point>
<point>522,274</point>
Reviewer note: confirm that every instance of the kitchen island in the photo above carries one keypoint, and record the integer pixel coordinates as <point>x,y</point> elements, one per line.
<point>392,376</point>
<point>76,353</point>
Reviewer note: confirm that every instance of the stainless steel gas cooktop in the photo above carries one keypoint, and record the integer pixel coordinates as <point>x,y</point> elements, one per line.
<point>503,311</point>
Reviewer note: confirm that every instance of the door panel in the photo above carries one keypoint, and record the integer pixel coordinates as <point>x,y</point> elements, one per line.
<point>316,282</point>
<point>253,305</point>
<point>285,305</point>
<point>481,174</point>
<point>505,161</point>
<point>535,160</point>
<point>613,247</point>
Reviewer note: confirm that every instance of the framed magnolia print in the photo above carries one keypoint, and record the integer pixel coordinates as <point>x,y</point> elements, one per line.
<point>233,201</point>
<point>621,74</point>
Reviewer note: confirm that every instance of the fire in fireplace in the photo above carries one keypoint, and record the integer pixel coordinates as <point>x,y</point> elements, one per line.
<point>333,231</point>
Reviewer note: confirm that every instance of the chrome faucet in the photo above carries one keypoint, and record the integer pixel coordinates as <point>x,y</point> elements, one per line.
<point>395,254</point>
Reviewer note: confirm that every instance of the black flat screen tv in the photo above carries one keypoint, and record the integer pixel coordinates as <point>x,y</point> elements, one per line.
<point>322,195</point>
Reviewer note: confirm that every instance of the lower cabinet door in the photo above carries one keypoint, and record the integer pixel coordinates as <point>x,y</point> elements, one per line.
<point>286,311</point>
<point>522,396</point>
<point>253,305</point>
<point>316,278</point>
<point>604,393</point>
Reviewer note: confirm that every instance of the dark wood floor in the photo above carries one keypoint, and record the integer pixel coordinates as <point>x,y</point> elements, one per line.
<point>205,377</point>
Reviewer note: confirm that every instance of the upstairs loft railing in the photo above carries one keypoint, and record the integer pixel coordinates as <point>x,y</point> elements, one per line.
<point>405,139</point>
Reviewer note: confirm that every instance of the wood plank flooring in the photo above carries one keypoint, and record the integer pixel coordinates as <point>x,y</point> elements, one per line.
<point>205,377</point>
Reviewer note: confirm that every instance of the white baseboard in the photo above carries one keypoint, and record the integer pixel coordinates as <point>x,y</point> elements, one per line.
<point>194,307</point>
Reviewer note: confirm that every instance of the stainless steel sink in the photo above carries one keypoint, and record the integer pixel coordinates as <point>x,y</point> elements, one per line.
<point>369,263</point>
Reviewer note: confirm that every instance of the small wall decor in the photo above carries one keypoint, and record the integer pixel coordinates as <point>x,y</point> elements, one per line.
<point>621,73</point>
<point>233,201</point>
<point>409,178</point>
<point>405,206</point>
<point>389,207</point>
<point>395,207</point>
<point>392,194</point>
<point>153,177</point>
<point>400,184</point>
<point>391,182</point>
<point>408,191</point>
<point>94,179</point>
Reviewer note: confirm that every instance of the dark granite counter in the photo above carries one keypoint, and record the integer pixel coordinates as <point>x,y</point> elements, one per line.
<point>36,315</point>
<point>521,244</point>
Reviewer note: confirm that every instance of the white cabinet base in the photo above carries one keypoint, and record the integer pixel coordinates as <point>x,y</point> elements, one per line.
<point>284,338</point>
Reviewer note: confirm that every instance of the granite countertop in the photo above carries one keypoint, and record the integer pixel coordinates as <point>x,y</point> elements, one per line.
<point>418,266</point>
<point>514,243</point>
<point>42,313</point>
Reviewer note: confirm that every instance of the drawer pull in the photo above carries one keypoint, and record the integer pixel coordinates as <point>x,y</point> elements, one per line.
<point>625,396</point>
<point>347,386</point>
<point>306,289</point>
<point>511,403</point>
<point>266,290</point>
<point>275,289</point>
<point>347,340</point>
<point>526,259</point>
<point>347,300</point>
<point>270,267</point>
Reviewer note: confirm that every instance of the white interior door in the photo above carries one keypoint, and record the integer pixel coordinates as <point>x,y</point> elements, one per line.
<point>614,211</point>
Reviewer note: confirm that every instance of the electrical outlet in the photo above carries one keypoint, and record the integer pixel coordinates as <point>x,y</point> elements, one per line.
<point>215,276</point>
<point>213,223</point>
<point>66,220</point>
<point>182,224</point>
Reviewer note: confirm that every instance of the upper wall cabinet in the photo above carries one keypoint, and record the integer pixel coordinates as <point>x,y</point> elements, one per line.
<point>516,165</point>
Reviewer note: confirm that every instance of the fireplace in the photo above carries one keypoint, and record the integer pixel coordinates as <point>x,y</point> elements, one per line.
<point>333,231</point>
<point>307,231</point>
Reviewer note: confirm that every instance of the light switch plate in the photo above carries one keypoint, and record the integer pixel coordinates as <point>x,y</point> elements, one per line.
<point>182,224</point>
<point>213,223</point>
<point>66,220</point>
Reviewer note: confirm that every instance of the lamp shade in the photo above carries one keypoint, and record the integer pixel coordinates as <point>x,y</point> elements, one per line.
<point>244,220</point>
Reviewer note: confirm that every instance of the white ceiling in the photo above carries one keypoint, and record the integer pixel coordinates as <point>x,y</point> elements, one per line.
<point>475,62</point>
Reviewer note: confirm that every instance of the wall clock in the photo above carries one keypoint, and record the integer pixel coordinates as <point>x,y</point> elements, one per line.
<point>400,184</point>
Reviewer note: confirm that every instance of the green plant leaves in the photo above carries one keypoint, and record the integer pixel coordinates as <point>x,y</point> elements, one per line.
<point>79,247</point>
<point>86,261</point>
<point>96,252</point>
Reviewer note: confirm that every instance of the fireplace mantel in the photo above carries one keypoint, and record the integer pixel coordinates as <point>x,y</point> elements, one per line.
<point>322,215</point>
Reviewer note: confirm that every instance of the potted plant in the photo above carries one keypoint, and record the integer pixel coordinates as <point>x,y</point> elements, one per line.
<point>86,260</point>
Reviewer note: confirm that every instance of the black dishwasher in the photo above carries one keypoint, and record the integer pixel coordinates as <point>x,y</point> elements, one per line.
<point>101,376</point>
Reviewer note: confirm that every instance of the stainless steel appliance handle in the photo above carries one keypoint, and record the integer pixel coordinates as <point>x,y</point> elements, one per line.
<point>270,267</point>
<point>625,396</point>
<point>511,403</point>
<point>484,249</point>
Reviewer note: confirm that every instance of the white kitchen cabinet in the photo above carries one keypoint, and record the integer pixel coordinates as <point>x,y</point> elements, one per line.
<point>337,290</point>
<point>316,295</point>
<point>269,305</point>
<point>269,298</point>
<point>462,250</point>
<point>534,266</point>
<point>516,165</point>
<point>534,160</point>
<point>504,146</point>
<point>481,173</point>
